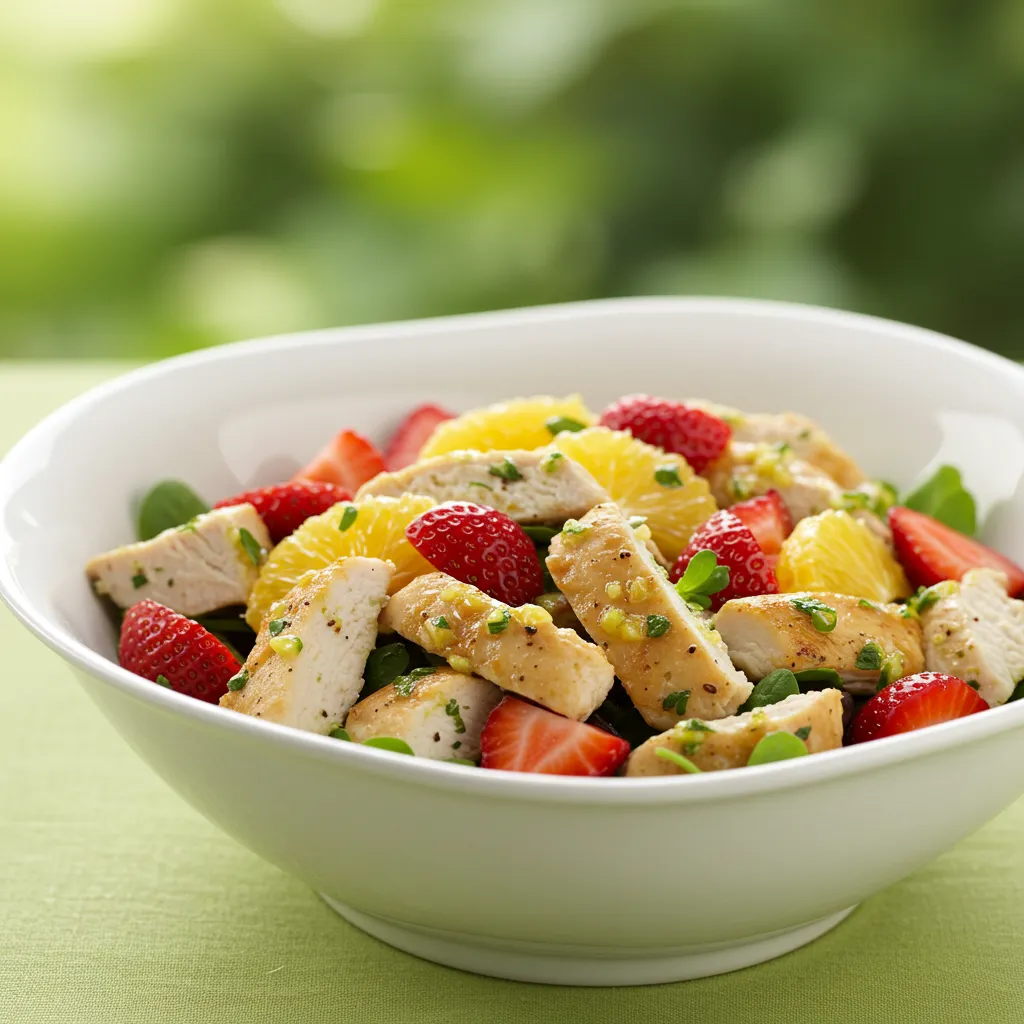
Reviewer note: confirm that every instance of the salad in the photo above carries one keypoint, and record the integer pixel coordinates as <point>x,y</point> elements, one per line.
<point>665,588</point>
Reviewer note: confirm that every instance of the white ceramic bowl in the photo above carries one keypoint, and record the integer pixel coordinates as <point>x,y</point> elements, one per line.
<point>564,880</point>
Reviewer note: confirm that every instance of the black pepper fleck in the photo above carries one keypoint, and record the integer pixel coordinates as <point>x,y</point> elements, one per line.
<point>692,649</point>
<point>711,688</point>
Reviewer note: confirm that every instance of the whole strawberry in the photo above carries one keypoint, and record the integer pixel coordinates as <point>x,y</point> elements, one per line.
<point>696,435</point>
<point>751,571</point>
<point>285,507</point>
<point>164,647</point>
<point>481,546</point>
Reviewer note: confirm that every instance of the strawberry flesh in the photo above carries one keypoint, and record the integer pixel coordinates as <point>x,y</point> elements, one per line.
<point>768,519</point>
<point>913,703</point>
<point>751,571</point>
<point>521,737</point>
<point>696,435</point>
<point>156,641</point>
<point>285,507</point>
<point>348,460</point>
<point>931,552</point>
<point>481,546</point>
<point>405,445</point>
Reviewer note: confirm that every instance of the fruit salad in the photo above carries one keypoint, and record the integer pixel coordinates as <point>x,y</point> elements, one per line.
<point>664,588</point>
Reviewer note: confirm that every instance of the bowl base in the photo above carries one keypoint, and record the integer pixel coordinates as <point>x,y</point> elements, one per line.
<point>518,961</point>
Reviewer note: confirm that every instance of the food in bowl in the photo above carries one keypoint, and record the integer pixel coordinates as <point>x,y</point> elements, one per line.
<point>668,588</point>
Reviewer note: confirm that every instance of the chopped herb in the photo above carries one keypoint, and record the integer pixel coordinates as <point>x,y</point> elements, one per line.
<point>451,709</point>
<point>550,462</point>
<point>540,534</point>
<point>676,702</point>
<point>944,497</point>
<point>923,599</point>
<point>657,625</point>
<point>696,725</point>
<point>497,621</point>
<point>559,423</point>
<point>480,483</point>
<point>826,676</point>
<point>637,521</point>
<point>404,685</point>
<point>668,476</point>
<point>277,626</point>
<point>423,670</point>
<point>865,603</point>
<point>239,679</point>
<point>702,578</point>
<point>391,743</point>
<point>340,734</point>
<point>678,760</point>
<point>163,680</point>
<point>974,684</point>
<point>783,447</point>
<point>870,657</point>
<point>348,517</point>
<point>1018,692</point>
<point>168,504</point>
<point>892,669</point>
<point>441,622</point>
<point>777,746</point>
<point>775,687</point>
<point>384,665</point>
<point>506,470</point>
<point>873,496</point>
<point>139,580</point>
<point>250,545</point>
<point>823,618</point>
<point>803,732</point>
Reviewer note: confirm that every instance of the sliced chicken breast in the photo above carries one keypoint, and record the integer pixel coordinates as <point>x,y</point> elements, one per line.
<point>771,631</point>
<point>746,470</point>
<point>306,668</point>
<point>440,716</point>
<point>209,563</point>
<point>518,649</point>
<point>817,717</point>
<point>528,486</point>
<point>976,632</point>
<point>659,646</point>
<point>808,441</point>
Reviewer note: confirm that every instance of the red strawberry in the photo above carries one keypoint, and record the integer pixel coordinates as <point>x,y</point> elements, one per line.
<point>404,447</point>
<point>521,737</point>
<point>349,460</point>
<point>914,702</point>
<point>696,435</point>
<point>932,552</point>
<point>157,643</point>
<point>751,571</point>
<point>481,546</point>
<point>285,507</point>
<point>768,519</point>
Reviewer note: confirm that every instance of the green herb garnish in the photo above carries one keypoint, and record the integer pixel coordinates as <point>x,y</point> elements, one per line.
<point>1018,692</point>
<point>348,517</point>
<point>404,684</point>
<point>250,545</point>
<point>384,665</point>
<point>870,657</point>
<point>922,600</point>
<point>277,626</point>
<point>497,621</point>
<point>803,732</point>
<point>168,504</point>
<point>777,746</point>
<point>775,687</point>
<point>480,483</point>
<point>574,527</point>
<point>559,423</point>
<point>340,734</point>
<point>678,760</point>
<point>668,476</point>
<point>441,622</point>
<point>973,684</point>
<point>139,580</point>
<point>451,709</point>
<point>239,679</point>
<point>826,676</point>
<point>865,603</point>
<point>163,680</point>
<point>550,462</point>
<point>657,625</point>
<point>823,618</point>
<point>892,669</point>
<point>391,743</point>
<point>702,578</point>
<point>676,701</point>
<point>506,470</point>
<point>944,497</point>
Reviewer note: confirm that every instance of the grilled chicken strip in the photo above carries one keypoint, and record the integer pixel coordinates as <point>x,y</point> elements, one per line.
<point>326,631</point>
<point>976,631</point>
<point>518,649</point>
<point>440,715</point>
<point>729,742</point>
<point>206,564</point>
<point>659,646</point>
<point>771,631</point>
<point>529,487</point>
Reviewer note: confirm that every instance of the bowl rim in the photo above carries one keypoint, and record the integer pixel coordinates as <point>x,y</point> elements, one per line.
<point>670,789</point>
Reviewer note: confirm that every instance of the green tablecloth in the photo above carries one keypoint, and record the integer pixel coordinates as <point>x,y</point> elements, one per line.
<point>119,903</point>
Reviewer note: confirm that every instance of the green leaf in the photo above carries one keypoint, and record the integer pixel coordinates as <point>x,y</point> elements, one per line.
<point>498,620</point>
<point>168,504</point>
<point>668,476</point>
<point>892,669</point>
<point>870,657</point>
<point>944,497</point>
<point>452,710</point>
<point>348,517</point>
<point>657,625</point>
<point>384,666</point>
<point>139,580</point>
<point>340,734</point>
<point>506,470</point>
<point>239,679</point>
<point>250,545</point>
<point>391,743</point>
<point>825,676</point>
<point>163,680</point>
<point>540,534</point>
<point>803,732</point>
<point>676,701</point>
<point>1018,692</point>
<point>559,423</point>
<point>277,626</point>
<point>777,746</point>
<point>678,760</point>
<point>702,577</point>
<point>775,686</point>
<point>823,618</point>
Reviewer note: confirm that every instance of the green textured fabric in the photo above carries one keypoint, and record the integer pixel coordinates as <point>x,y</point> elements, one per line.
<point>119,903</point>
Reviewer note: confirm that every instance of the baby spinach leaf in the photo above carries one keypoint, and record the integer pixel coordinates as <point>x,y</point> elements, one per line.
<point>678,760</point>
<point>702,578</point>
<point>167,504</point>
<point>777,746</point>
<point>825,677</point>
<point>391,743</point>
<point>384,665</point>
<point>775,686</point>
<point>944,497</point>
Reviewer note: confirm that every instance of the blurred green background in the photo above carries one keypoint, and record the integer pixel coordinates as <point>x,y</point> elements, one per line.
<point>177,173</point>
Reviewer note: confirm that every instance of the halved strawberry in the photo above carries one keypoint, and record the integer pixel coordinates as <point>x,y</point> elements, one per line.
<point>521,737</point>
<point>164,647</point>
<point>404,447</point>
<point>751,571</point>
<point>768,519</point>
<point>914,702</point>
<point>481,546</point>
<point>285,507</point>
<point>696,435</point>
<point>349,460</point>
<point>932,552</point>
